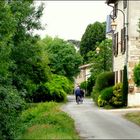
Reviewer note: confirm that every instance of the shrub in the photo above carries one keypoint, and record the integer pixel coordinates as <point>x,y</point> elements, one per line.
<point>83,85</point>
<point>107,93</point>
<point>11,106</point>
<point>137,74</point>
<point>95,93</point>
<point>117,99</point>
<point>105,96</point>
<point>101,102</point>
<point>90,84</point>
<point>104,80</point>
<point>41,94</point>
<point>54,90</point>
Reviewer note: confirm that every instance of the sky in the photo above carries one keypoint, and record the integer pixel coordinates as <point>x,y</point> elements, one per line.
<point>69,19</point>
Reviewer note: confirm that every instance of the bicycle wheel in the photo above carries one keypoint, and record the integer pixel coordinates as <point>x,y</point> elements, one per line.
<point>78,99</point>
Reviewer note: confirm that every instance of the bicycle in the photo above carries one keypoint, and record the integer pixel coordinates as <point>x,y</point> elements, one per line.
<point>79,100</point>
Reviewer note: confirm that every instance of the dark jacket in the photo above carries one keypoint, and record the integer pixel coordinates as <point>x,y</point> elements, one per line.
<point>77,91</point>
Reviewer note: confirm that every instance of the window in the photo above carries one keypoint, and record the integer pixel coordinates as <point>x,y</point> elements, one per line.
<point>124,4</point>
<point>115,44</point>
<point>123,42</point>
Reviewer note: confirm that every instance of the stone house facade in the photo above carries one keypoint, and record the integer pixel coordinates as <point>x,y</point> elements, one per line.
<point>126,43</point>
<point>83,75</point>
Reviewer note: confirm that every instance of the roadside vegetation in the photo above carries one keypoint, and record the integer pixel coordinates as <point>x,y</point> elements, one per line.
<point>133,117</point>
<point>32,70</point>
<point>35,70</point>
<point>45,121</point>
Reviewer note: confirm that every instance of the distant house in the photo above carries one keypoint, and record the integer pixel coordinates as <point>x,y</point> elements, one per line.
<point>126,46</point>
<point>83,75</point>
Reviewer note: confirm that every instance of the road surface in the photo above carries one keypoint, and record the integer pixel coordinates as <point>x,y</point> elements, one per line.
<point>94,123</point>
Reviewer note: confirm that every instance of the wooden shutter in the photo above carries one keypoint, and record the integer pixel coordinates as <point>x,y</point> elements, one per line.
<point>123,42</point>
<point>116,44</point>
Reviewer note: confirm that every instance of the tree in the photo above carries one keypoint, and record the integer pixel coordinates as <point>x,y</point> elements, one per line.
<point>7,30</point>
<point>102,61</point>
<point>94,33</point>
<point>62,56</point>
<point>30,68</point>
<point>11,104</point>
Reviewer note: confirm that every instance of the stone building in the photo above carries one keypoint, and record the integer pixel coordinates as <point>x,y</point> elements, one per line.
<point>83,75</point>
<point>126,40</point>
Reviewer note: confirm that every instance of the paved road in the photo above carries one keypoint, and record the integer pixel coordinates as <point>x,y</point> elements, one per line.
<point>95,123</point>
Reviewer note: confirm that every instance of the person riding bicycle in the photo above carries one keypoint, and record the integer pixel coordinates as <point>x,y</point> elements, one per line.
<point>78,92</point>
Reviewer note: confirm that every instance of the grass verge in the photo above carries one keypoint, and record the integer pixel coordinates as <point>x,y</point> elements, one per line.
<point>133,117</point>
<point>46,121</point>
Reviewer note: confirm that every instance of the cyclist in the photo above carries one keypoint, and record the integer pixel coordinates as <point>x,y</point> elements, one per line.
<point>78,92</point>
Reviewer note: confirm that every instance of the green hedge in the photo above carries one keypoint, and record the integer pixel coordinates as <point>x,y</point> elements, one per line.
<point>104,80</point>
<point>105,96</point>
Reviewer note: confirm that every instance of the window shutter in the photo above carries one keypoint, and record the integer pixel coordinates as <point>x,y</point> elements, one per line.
<point>116,44</point>
<point>123,42</point>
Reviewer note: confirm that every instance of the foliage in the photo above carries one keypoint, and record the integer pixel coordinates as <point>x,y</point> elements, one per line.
<point>94,33</point>
<point>46,121</point>
<point>125,86</point>
<point>136,72</point>
<point>104,80</point>
<point>7,30</point>
<point>83,85</point>
<point>117,99</point>
<point>64,60</point>
<point>58,87</point>
<point>11,106</point>
<point>95,94</point>
<point>105,96</point>
<point>30,66</point>
<point>75,42</point>
<point>54,90</point>
<point>101,61</point>
<point>101,102</point>
<point>22,65</point>
<point>90,84</point>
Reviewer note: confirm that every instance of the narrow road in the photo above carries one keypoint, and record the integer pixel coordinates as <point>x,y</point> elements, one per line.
<point>94,123</point>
